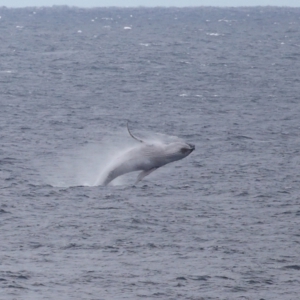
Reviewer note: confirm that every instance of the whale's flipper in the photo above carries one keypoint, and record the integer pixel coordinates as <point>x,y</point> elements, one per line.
<point>141,141</point>
<point>144,174</point>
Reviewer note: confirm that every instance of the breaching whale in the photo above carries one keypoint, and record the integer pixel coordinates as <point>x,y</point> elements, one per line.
<point>146,157</point>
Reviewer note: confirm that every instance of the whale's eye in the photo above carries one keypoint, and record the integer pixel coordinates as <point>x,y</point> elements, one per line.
<point>184,150</point>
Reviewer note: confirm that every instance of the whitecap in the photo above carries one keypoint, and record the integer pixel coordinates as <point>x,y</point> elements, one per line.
<point>227,21</point>
<point>213,33</point>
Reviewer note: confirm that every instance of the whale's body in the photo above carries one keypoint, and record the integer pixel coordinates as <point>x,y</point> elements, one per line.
<point>147,158</point>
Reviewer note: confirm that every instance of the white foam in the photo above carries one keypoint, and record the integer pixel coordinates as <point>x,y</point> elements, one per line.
<point>226,21</point>
<point>213,34</point>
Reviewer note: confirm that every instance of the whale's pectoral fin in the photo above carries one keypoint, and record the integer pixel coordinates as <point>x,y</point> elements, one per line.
<point>144,174</point>
<point>141,141</point>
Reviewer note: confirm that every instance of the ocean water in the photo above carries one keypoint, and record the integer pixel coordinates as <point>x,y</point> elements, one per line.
<point>223,223</point>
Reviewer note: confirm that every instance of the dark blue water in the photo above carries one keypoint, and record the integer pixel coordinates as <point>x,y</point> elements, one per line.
<point>221,224</point>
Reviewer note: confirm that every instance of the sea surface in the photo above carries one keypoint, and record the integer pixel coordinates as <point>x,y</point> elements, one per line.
<point>223,223</point>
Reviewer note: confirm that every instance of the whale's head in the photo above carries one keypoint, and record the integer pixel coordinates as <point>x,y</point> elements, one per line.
<point>178,150</point>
